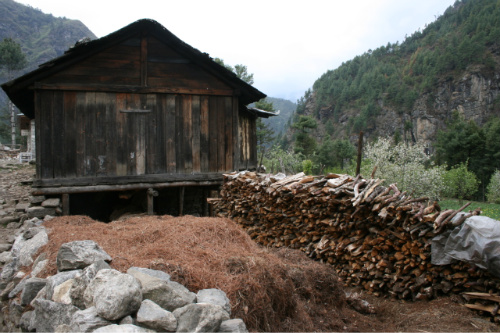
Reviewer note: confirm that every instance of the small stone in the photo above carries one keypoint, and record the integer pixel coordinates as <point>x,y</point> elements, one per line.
<point>31,289</point>
<point>79,254</point>
<point>200,317</point>
<point>40,212</point>
<point>214,296</point>
<point>5,247</point>
<point>21,207</point>
<point>62,292</point>
<point>234,326</point>
<point>152,272</point>
<point>114,294</point>
<point>155,317</point>
<point>36,200</point>
<point>13,225</point>
<point>51,203</point>
<point>126,328</point>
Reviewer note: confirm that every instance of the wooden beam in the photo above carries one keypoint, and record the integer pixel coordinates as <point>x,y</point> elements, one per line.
<point>110,188</point>
<point>133,89</point>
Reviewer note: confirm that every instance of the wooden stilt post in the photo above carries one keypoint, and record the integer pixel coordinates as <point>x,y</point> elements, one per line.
<point>151,194</point>
<point>65,204</point>
<point>205,203</point>
<point>181,201</point>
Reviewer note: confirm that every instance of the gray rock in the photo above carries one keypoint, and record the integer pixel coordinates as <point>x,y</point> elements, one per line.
<point>9,270</point>
<point>62,292</point>
<point>31,232</point>
<point>152,272</point>
<point>55,280</point>
<point>214,296</point>
<point>79,254</point>
<point>31,288</point>
<point>63,329</point>
<point>114,294</point>
<point>25,249</point>
<point>41,295</point>
<point>21,207</point>
<point>39,267</point>
<point>15,312</point>
<point>8,219</point>
<point>19,284</point>
<point>6,256</point>
<point>82,281</point>
<point>4,295</point>
<point>14,224</point>
<point>36,200</point>
<point>40,212</point>
<point>167,294</point>
<point>126,328</point>
<point>155,317</point>
<point>127,320</point>
<point>234,326</point>
<point>51,203</point>
<point>200,317</point>
<point>5,247</point>
<point>25,323</point>
<point>87,320</point>
<point>49,315</point>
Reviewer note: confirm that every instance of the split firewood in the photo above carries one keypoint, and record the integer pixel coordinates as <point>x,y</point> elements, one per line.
<point>377,238</point>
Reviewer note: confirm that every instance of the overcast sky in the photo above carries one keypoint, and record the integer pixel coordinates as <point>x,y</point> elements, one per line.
<point>286,44</point>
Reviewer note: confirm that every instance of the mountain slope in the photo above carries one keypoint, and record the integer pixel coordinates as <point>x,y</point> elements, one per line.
<point>413,88</point>
<point>42,36</point>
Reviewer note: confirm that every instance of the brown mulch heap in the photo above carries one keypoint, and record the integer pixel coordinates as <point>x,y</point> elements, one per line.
<point>271,290</point>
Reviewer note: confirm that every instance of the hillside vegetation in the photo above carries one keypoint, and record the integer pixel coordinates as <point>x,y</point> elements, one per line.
<point>42,37</point>
<point>408,78</point>
<point>438,90</point>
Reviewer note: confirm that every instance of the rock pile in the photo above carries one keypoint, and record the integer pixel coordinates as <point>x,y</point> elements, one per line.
<point>87,295</point>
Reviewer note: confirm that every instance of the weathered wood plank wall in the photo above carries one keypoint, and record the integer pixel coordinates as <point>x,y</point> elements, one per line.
<point>88,134</point>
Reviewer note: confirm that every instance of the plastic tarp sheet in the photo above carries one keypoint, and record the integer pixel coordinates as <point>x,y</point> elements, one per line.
<point>476,241</point>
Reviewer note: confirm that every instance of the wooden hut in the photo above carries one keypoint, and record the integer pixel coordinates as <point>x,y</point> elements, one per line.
<point>136,110</point>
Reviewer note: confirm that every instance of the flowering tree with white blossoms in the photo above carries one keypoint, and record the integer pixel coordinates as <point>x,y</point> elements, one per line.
<point>493,190</point>
<point>407,165</point>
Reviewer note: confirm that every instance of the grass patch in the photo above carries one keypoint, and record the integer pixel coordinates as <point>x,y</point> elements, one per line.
<point>487,209</point>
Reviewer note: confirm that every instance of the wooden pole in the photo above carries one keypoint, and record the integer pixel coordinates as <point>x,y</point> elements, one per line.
<point>181,201</point>
<point>65,204</point>
<point>360,150</point>
<point>151,194</point>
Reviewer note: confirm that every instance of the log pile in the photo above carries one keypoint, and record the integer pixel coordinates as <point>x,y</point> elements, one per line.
<point>377,238</point>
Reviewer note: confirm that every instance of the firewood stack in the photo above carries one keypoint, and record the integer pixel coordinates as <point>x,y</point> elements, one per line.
<point>377,238</point>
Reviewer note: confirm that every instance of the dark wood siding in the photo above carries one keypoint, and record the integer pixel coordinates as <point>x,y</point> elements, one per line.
<point>248,140</point>
<point>89,134</point>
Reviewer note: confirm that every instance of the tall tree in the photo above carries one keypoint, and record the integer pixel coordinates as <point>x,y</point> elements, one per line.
<point>12,59</point>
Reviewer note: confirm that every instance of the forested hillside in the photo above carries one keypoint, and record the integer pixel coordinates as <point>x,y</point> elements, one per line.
<point>42,37</point>
<point>279,123</point>
<point>436,95</point>
<point>412,88</point>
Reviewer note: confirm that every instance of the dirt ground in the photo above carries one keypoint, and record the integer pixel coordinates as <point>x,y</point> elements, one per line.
<point>270,289</point>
